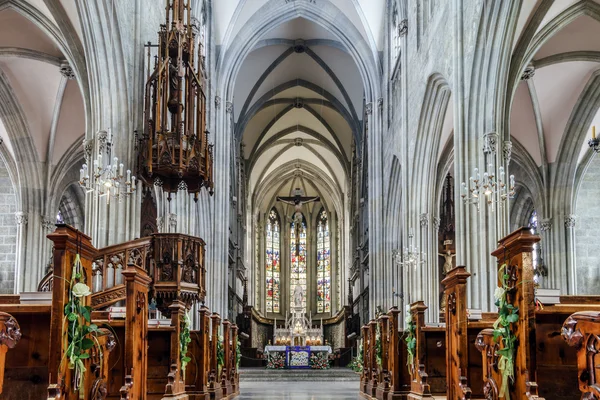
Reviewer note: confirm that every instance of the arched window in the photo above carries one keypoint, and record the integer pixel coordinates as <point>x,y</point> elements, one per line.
<point>533,226</point>
<point>298,258</point>
<point>323,264</point>
<point>273,266</point>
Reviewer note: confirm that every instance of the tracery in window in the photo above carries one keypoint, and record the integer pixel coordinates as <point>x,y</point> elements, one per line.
<point>298,258</point>
<point>273,267</point>
<point>323,264</point>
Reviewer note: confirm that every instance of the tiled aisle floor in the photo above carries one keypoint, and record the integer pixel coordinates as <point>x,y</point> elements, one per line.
<point>306,390</point>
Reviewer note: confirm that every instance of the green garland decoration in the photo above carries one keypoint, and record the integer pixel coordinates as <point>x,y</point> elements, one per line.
<point>184,341</point>
<point>357,362</point>
<point>378,347</point>
<point>80,330</point>
<point>410,339</point>
<point>220,352</point>
<point>507,315</point>
<point>238,353</point>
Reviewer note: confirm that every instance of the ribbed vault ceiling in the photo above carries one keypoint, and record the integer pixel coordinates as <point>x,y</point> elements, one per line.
<point>564,62</point>
<point>298,109</point>
<point>30,66</point>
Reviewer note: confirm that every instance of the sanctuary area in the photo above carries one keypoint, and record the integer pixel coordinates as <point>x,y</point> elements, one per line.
<point>299,199</point>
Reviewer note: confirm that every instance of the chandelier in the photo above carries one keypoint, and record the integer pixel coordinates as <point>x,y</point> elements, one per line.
<point>104,178</point>
<point>173,151</point>
<point>411,256</point>
<point>594,142</point>
<point>493,189</point>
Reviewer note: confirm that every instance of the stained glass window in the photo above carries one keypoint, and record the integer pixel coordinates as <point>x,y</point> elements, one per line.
<point>533,226</point>
<point>323,264</point>
<point>298,258</point>
<point>273,267</point>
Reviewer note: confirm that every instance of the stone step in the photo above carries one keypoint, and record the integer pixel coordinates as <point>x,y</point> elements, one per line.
<point>291,375</point>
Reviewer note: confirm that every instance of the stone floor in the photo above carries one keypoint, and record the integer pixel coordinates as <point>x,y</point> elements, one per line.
<point>299,391</point>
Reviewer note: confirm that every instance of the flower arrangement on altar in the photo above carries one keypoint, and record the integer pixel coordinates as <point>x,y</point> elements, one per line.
<point>410,339</point>
<point>319,360</point>
<point>275,360</point>
<point>507,315</point>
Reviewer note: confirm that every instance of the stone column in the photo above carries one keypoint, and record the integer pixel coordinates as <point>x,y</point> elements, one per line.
<point>22,219</point>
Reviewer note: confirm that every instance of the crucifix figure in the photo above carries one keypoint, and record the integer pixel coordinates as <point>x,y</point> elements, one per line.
<point>298,200</point>
<point>448,256</point>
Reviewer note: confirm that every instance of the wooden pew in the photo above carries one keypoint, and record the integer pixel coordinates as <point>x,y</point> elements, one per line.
<point>514,252</point>
<point>419,387</point>
<point>214,382</point>
<point>582,331</point>
<point>10,334</point>
<point>198,370</point>
<point>26,372</point>
<point>390,379</point>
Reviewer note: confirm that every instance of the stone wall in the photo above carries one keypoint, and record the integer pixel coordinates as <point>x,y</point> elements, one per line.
<point>587,255</point>
<point>8,231</point>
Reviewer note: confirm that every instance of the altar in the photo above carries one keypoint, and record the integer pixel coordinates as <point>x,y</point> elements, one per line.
<point>316,357</point>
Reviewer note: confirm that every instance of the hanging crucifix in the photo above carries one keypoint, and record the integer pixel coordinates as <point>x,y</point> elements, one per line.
<point>298,200</point>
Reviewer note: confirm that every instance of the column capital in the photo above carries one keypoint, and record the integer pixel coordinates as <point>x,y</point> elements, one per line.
<point>47,223</point>
<point>424,219</point>
<point>507,151</point>
<point>545,225</point>
<point>570,221</point>
<point>21,218</point>
<point>490,143</point>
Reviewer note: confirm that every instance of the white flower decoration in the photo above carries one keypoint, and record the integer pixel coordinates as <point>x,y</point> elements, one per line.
<point>81,290</point>
<point>408,316</point>
<point>499,293</point>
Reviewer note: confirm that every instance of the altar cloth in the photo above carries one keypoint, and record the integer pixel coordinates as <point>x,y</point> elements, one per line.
<point>297,356</point>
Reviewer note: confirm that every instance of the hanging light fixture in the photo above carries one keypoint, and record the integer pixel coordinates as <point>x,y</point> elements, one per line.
<point>411,256</point>
<point>106,175</point>
<point>491,189</point>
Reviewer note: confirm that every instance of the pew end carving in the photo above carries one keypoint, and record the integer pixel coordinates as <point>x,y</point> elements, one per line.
<point>582,331</point>
<point>10,334</point>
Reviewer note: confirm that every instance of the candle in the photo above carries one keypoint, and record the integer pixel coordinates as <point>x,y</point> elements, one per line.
<point>128,176</point>
<point>594,132</point>
<point>100,160</point>
<point>512,181</point>
<point>121,169</point>
<point>81,175</point>
<point>133,182</point>
<point>463,189</point>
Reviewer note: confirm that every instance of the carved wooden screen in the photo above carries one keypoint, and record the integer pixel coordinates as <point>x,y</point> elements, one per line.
<point>149,214</point>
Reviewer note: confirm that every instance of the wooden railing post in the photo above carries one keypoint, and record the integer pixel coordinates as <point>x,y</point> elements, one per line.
<point>214,384</point>
<point>175,383</point>
<point>365,376</point>
<point>68,242</point>
<point>582,331</point>
<point>457,350</point>
<point>225,375</point>
<point>373,368</point>
<point>397,364</point>
<point>235,376</point>
<point>419,388</point>
<point>383,387</point>
<point>515,254</point>
<point>199,370</point>
<point>135,359</point>
<point>10,334</point>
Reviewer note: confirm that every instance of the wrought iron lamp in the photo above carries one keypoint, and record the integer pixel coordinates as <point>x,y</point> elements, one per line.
<point>104,178</point>
<point>594,142</point>
<point>491,188</point>
<point>173,151</point>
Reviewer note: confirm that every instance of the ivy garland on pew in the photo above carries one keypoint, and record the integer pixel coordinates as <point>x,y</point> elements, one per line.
<point>357,362</point>
<point>410,339</point>
<point>507,315</point>
<point>238,353</point>
<point>220,353</point>
<point>378,347</point>
<point>80,330</point>
<point>184,341</point>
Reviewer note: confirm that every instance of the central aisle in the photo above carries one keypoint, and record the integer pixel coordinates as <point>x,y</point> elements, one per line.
<point>299,390</point>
